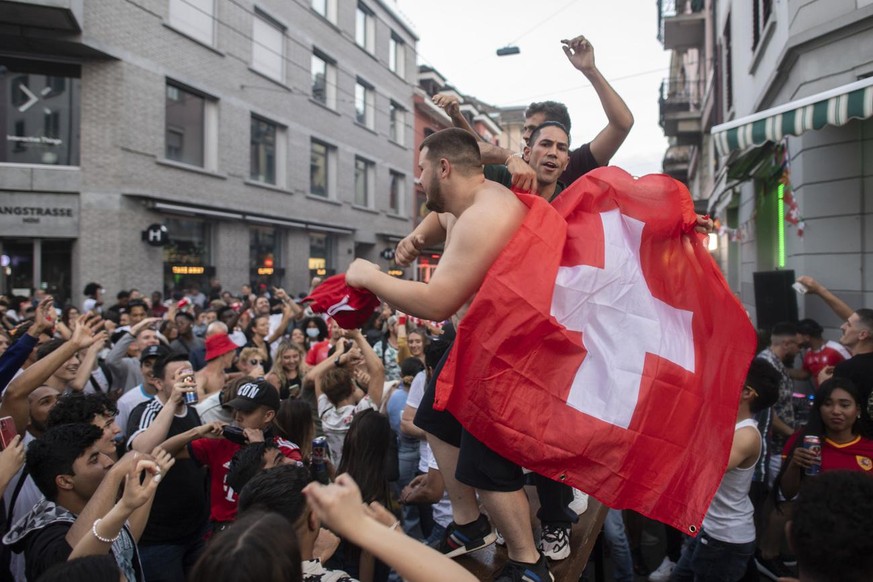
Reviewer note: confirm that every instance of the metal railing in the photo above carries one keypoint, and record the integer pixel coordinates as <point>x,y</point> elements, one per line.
<point>679,90</point>
<point>668,8</point>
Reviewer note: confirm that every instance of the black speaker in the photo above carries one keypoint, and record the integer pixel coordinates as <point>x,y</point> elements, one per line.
<point>775,299</point>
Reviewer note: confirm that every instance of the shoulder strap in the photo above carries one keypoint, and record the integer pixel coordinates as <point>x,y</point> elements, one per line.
<point>14,498</point>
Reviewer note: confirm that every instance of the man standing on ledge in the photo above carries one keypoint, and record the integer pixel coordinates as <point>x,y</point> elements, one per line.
<point>451,174</point>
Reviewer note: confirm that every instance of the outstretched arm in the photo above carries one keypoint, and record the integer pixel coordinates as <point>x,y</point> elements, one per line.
<point>452,106</point>
<point>840,307</point>
<point>620,120</point>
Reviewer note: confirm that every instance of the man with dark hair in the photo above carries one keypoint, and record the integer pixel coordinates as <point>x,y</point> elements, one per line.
<point>819,354</point>
<point>173,538</point>
<point>123,358</point>
<point>187,342</point>
<point>80,485</point>
<point>830,528</point>
<point>468,201</point>
<point>93,293</point>
<point>726,542</point>
<point>144,391</point>
<point>251,460</point>
<point>280,490</point>
<point>94,409</point>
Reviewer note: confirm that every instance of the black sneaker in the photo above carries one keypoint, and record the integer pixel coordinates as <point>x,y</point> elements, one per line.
<point>555,542</point>
<point>774,568</point>
<point>463,539</point>
<point>519,572</point>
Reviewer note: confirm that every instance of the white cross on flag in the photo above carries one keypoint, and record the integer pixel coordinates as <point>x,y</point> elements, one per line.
<point>605,349</point>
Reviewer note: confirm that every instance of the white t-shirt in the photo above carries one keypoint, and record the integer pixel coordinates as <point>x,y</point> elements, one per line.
<point>127,403</point>
<point>413,400</point>
<point>335,423</point>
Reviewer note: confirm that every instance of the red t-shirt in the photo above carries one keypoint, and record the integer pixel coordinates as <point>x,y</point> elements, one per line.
<point>317,353</point>
<point>830,354</point>
<point>216,455</point>
<point>855,455</point>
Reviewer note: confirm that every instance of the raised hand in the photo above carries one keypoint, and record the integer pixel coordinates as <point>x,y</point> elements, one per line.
<point>580,53</point>
<point>408,249</point>
<point>140,485</point>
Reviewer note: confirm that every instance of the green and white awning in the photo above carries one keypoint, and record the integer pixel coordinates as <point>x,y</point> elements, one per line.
<point>834,107</point>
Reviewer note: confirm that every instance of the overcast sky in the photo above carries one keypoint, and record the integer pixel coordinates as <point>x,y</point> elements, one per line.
<point>459,39</point>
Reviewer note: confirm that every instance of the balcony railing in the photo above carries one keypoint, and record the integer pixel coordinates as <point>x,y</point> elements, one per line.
<point>670,9</point>
<point>680,104</point>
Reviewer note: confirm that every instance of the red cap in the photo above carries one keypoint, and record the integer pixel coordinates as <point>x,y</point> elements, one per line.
<point>350,307</point>
<point>218,345</point>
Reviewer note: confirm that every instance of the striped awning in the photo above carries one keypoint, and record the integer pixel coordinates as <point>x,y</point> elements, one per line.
<point>834,107</point>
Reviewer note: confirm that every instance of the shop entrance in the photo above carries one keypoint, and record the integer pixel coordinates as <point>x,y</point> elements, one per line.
<point>33,263</point>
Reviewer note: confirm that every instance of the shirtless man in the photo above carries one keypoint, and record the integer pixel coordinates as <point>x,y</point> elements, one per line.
<point>451,174</point>
<point>220,352</point>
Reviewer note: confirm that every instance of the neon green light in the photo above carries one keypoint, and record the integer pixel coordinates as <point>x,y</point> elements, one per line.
<point>780,213</point>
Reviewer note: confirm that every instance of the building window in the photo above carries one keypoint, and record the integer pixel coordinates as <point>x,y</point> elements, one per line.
<point>364,106</point>
<point>268,46</point>
<point>186,126</point>
<point>264,151</point>
<point>320,254</point>
<point>321,169</point>
<point>39,114</point>
<point>365,173</point>
<point>396,123</point>
<point>195,18</point>
<point>365,28</point>
<point>395,195</point>
<point>323,80</point>
<point>326,9</point>
<point>264,259</point>
<point>187,255</point>
<point>761,10</point>
<point>397,55</point>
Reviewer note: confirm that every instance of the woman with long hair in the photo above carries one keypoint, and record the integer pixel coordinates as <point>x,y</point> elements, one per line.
<point>834,419</point>
<point>294,423</point>
<point>256,333</point>
<point>366,458</point>
<point>288,370</point>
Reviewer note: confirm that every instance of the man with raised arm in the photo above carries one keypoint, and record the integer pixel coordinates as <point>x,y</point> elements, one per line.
<point>480,217</point>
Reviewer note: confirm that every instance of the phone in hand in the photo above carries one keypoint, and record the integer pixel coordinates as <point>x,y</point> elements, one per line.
<point>234,434</point>
<point>7,431</point>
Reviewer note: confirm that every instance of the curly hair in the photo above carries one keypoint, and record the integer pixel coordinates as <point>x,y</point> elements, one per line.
<point>80,408</point>
<point>831,524</point>
<point>55,452</point>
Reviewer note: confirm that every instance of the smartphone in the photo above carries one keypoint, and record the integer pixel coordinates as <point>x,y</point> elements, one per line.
<point>800,288</point>
<point>234,434</point>
<point>7,431</point>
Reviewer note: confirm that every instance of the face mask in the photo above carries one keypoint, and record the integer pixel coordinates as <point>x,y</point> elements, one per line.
<point>312,332</point>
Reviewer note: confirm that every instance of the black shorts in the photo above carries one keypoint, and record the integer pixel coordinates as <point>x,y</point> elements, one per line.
<point>440,423</point>
<point>478,466</point>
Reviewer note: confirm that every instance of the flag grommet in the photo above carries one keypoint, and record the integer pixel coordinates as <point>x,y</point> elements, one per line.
<point>562,476</point>
<point>692,529</point>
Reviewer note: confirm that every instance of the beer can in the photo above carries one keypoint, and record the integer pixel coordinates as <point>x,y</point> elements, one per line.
<point>812,443</point>
<point>319,450</point>
<point>191,398</point>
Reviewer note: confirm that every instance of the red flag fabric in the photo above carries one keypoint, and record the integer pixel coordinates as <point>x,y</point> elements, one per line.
<point>348,306</point>
<point>605,349</point>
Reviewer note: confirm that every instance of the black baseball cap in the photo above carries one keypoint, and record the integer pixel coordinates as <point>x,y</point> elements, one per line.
<point>255,393</point>
<point>158,351</point>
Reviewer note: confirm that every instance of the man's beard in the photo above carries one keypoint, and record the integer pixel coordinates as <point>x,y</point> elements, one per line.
<point>434,194</point>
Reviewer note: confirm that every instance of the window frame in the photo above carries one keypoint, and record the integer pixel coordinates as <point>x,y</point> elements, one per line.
<point>369,177</point>
<point>330,68</point>
<point>209,126</point>
<point>268,21</point>
<point>369,98</point>
<point>180,10</point>
<point>365,28</point>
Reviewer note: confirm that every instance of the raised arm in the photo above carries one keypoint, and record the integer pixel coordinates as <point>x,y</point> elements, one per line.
<point>374,366</point>
<point>87,363</point>
<point>429,232</point>
<point>620,120</point>
<point>450,103</point>
<point>156,433</point>
<point>840,307</point>
<point>14,402</point>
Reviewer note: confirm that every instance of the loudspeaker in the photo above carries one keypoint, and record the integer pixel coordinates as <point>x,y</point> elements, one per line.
<point>775,299</point>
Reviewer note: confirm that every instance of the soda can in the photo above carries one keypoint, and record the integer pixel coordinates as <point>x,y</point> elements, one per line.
<point>812,443</point>
<point>191,398</point>
<point>319,450</point>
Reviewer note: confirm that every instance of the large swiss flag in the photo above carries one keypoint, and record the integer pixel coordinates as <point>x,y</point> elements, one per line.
<point>605,349</point>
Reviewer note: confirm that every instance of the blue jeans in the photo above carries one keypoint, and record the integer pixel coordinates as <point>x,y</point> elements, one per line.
<point>709,560</point>
<point>170,562</point>
<point>407,455</point>
<point>616,538</point>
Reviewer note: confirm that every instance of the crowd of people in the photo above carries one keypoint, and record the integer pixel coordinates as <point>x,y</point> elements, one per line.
<point>240,436</point>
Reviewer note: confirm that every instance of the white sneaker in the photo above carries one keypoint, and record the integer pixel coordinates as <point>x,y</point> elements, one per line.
<point>555,542</point>
<point>662,572</point>
<point>500,541</point>
<point>580,502</point>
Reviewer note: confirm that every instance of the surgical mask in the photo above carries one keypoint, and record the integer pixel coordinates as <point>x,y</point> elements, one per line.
<point>312,332</point>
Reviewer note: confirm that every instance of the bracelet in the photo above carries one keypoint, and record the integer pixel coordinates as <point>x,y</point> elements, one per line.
<point>515,155</point>
<point>101,538</point>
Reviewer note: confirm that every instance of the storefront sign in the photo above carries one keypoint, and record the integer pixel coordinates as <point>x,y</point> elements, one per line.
<point>156,235</point>
<point>36,215</point>
<point>188,269</point>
